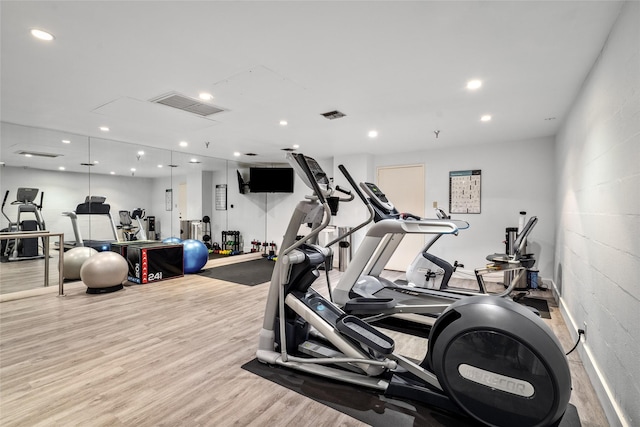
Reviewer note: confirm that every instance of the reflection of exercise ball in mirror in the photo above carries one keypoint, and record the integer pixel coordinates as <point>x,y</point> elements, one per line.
<point>73,260</point>
<point>172,240</point>
<point>196,255</point>
<point>104,272</point>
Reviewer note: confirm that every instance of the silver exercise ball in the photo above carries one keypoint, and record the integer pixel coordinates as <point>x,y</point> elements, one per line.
<point>104,272</point>
<point>73,260</point>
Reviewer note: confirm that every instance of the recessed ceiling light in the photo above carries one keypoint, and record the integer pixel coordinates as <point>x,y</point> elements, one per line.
<point>66,141</point>
<point>373,133</point>
<point>42,35</point>
<point>206,96</point>
<point>194,160</point>
<point>28,155</point>
<point>104,128</point>
<point>112,173</point>
<point>61,168</point>
<point>283,123</point>
<point>485,118</point>
<point>237,154</point>
<point>95,162</point>
<point>140,153</point>
<point>296,146</point>
<point>474,84</point>
<point>133,169</point>
<point>183,143</point>
<point>159,166</point>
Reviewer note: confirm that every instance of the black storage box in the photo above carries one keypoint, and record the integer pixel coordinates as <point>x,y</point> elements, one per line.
<point>153,262</point>
<point>121,247</point>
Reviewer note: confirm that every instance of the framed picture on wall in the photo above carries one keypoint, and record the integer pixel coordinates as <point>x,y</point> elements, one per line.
<point>464,191</point>
<point>221,197</point>
<point>168,199</point>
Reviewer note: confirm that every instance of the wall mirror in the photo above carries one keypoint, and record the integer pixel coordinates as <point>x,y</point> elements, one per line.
<point>176,188</point>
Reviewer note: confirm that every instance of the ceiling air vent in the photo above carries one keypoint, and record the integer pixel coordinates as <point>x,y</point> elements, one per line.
<point>187,104</point>
<point>250,154</point>
<point>37,154</point>
<point>288,149</point>
<point>331,115</point>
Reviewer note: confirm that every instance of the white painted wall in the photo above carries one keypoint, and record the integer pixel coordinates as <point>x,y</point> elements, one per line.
<point>598,220</point>
<point>246,213</point>
<point>158,208</point>
<point>516,175</point>
<point>219,220</point>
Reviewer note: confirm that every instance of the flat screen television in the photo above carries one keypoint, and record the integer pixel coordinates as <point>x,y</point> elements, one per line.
<point>271,180</point>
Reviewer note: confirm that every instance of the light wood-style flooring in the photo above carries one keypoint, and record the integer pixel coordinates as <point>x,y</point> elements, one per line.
<point>165,354</point>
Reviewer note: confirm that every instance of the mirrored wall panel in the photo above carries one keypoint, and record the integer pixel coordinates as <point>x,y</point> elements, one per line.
<point>132,187</point>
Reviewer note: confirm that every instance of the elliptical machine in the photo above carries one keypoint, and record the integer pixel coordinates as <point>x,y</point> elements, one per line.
<point>26,248</point>
<point>488,357</point>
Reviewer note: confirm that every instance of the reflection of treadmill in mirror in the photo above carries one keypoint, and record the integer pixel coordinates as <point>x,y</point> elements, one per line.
<point>94,206</point>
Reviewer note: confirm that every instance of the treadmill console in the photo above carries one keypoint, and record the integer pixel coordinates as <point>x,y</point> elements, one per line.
<point>377,196</point>
<point>382,207</point>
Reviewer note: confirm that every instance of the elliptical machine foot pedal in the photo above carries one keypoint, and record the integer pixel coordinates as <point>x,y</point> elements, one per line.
<point>365,334</point>
<point>362,305</point>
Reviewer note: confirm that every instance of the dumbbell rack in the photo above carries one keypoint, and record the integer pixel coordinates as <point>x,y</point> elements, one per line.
<point>231,241</point>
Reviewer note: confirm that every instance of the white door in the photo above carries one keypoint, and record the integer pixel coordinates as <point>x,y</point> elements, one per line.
<point>405,188</point>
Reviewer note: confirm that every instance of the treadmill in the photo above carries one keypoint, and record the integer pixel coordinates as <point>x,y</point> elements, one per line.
<point>94,206</point>
<point>361,291</point>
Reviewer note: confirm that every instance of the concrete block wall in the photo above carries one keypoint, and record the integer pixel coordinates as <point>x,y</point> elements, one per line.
<point>597,262</point>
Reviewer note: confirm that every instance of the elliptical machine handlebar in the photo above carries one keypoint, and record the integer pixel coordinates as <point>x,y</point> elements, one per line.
<point>4,202</point>
<point>352,183</point>
<point>347,192</point>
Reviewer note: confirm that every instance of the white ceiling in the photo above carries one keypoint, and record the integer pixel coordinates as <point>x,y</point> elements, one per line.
<point>397,67</point>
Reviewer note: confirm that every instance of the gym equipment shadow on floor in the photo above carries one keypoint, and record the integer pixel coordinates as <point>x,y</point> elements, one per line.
<point>248,273</point>
<point>368,406</point>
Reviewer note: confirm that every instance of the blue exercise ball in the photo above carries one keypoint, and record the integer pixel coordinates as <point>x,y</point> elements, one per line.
<point>196,255</point>
<point>172,240</point>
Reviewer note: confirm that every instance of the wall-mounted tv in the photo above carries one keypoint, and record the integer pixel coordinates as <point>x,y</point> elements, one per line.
<point>271,180</point>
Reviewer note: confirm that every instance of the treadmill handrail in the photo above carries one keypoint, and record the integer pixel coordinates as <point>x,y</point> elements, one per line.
<point>412,226</point>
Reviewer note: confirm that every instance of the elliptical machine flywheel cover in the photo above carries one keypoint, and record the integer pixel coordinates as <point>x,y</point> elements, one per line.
<point>500,363</point>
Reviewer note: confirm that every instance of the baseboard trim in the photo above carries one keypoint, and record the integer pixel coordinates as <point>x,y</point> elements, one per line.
<point>615,415</point>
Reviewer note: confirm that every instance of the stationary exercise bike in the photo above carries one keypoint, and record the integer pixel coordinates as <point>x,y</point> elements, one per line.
<point>488,358</point>
<point>131,232</point>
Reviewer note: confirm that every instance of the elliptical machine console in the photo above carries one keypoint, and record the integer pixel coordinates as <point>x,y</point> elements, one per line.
<point>488,358</point>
